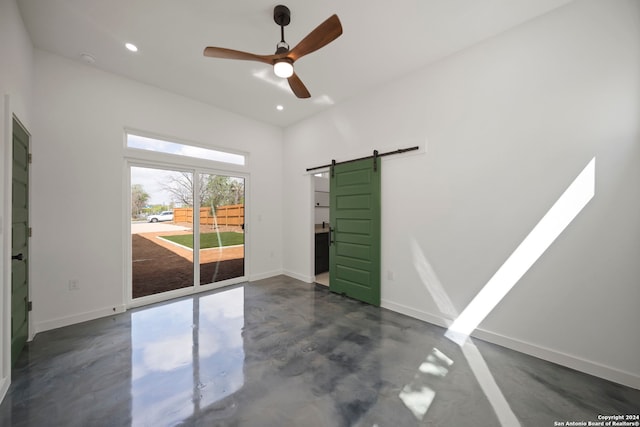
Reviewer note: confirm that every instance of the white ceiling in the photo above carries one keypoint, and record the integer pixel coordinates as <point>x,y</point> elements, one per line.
<point>382,40</point>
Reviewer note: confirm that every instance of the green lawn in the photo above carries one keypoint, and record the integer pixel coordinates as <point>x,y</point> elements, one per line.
<point>208,240</point>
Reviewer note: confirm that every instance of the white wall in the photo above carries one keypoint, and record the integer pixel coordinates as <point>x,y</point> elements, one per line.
<point>16,75</point>
<point>509,124</point>
<point>77,185</point>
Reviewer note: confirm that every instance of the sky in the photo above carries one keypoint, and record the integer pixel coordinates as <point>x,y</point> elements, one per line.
<point>152,179</point>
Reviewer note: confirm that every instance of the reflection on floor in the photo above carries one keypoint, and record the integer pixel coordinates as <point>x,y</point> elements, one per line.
<point>323,278</point>
<point>280,352</point>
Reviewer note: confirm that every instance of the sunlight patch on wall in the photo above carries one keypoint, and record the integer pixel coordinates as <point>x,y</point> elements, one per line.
<point>418,395</point>
<point>431,281</point>
<point>561,214</point>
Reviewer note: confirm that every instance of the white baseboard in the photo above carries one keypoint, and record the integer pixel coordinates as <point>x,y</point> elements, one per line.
<point>415,313</point>
<point>107,311</point>
<point>579,364</point>
<point>266,275</point>
<point>306,279</point>
<point>77,318</point>
<point>589,367</point>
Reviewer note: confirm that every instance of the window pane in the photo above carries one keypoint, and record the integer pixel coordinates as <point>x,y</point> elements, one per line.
<point>161,238</point>
<point>221,228</point>
<point>160,146</point>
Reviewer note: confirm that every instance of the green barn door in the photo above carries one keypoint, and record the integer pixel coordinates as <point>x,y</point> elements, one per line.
<point>354,253</point>
<point>19,241</point>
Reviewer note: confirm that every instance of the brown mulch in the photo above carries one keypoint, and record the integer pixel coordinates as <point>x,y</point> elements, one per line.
<point>157,268</point>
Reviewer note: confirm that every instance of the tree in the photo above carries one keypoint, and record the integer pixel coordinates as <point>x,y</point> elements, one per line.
<point>214,190</point>
<point>139,199</point>
<point>220,190</point>
<point>237,191</point>
<point>180,185</point>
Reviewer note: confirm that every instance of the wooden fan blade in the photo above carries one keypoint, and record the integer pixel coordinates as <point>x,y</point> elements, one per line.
<point>220,52</point>
<point>323,34</point>
<point>298,87</point>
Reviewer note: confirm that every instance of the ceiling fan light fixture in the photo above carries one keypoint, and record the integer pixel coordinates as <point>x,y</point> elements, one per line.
<point>283,68</point>
<point>282,61</point>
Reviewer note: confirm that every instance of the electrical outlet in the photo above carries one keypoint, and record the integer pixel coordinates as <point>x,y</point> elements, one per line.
<point>389,275</point>
<point>74,285</point>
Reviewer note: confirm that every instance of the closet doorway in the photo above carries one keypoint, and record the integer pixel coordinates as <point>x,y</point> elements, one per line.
<point>321,227</point>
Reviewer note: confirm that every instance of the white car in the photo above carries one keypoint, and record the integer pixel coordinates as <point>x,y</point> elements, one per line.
<point>162,216</point>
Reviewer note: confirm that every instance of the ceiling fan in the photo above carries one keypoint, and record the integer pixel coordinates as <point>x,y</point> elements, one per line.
<point>282,61</point>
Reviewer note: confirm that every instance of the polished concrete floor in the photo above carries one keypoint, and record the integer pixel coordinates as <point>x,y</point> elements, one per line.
<point>279,352</point>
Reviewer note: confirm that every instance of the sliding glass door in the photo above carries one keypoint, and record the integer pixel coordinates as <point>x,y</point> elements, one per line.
<point>187,229</point>
<point>161,242</point>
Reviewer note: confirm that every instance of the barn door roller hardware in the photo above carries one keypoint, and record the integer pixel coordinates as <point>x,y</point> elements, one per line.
<point>374,156</point>
<point>375,160</point>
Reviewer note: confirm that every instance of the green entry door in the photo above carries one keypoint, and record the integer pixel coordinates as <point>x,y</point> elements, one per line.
<point>354,253</point>
<point>19,241</point>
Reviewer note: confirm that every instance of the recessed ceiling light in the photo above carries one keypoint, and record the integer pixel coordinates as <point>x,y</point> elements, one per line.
<point>279,107</point>
<point>132,47</point>
<point>88,58</point>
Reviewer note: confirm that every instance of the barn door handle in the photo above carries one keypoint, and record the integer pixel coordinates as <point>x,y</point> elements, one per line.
<point>17,257</point>
<point>331,230</point>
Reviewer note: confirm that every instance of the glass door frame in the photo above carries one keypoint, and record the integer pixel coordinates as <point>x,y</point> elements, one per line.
<point>196,170</point>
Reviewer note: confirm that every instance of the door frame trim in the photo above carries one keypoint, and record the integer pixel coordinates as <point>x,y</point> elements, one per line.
<point>5,249</point>
<point>312,221</point>
<point>30,327</point>
<point>8,115</point>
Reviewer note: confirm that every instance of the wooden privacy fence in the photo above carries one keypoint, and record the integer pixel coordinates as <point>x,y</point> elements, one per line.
<point>229,215</point>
